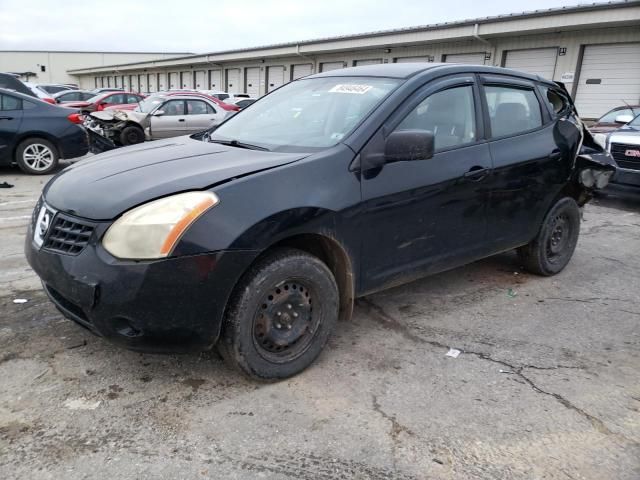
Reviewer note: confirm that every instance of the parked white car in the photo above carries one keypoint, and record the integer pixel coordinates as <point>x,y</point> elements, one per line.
<point>41,94</point>
<point>155,117</point>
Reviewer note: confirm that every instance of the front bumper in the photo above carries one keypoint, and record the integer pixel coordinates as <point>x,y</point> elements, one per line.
<point>172,305</point>
<point>626,176</point>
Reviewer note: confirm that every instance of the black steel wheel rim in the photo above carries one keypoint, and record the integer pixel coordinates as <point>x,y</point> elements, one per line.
<point>559,237</point>
<point>286,321</point>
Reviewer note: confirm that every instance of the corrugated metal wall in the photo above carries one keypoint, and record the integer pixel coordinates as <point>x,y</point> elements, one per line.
<point>569,44</point>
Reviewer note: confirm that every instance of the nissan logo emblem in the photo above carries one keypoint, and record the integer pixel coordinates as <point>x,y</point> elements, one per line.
<point>44,224</point>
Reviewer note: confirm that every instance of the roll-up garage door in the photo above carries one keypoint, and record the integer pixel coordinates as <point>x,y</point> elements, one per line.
<point>467,58</point>
<point>374,61</point>
<point>233,80</point>
<point>539,61</point>
<point>609,77</point>
<point>412,59</point>
<point>215,79</point>
<point>174,80</point>
<point>201,79</point>
<point>275,77</point>
<point>162,81</point>
<point>187,81</point>
<point>152,82</point>
<point>252,81</point>
<point>300,71</point>
<point>142,78</point>
<point>327,66</point>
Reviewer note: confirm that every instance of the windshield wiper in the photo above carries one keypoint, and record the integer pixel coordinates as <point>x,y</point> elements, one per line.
<point>236,143</point>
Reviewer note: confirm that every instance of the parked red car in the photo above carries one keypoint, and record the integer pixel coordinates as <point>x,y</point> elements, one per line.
<point>224,106</point>
<point>106,99</point>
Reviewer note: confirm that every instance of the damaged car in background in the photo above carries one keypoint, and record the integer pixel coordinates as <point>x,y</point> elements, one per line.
<point>156,117</point>
<point>256,237</point>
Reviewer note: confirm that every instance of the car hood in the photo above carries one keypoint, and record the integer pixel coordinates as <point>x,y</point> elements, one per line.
<point>105,186</point>
<point>625,135</point>
<point>76,104</point>
<point>119,115</point>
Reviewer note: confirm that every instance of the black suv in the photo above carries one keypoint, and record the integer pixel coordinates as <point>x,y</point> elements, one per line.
<point>258,235</point>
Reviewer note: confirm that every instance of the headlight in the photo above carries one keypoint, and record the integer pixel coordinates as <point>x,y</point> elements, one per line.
<point>153,229</point>
<point>600,138</point>
<point>591,178</point>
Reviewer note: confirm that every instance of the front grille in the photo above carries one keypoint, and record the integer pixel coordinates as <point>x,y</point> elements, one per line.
<point>619,153</point>
<point>68,235</point>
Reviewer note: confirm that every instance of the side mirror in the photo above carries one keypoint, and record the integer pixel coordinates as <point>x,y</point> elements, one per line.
<point>408,145</point>
<point>158,113</point>
<point>622,119</point>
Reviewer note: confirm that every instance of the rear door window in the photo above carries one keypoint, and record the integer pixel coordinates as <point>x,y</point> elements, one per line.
<point>8,102</point>
<point>512,110</point>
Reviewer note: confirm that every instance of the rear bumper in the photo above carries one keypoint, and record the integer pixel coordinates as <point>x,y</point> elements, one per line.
<point>75,142</point>
<point>173,305</point>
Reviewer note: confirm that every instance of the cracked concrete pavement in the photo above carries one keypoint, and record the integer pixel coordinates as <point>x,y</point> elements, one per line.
<point>547,384</point>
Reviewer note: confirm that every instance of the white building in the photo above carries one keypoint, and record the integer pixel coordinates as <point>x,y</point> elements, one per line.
<point>52,67</point>
<point>594,49</point>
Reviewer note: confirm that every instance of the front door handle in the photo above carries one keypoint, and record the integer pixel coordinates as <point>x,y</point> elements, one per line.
<point>476,173</point>
<point>6,118</point>
<point>555,155</point>
<point>181,119</point>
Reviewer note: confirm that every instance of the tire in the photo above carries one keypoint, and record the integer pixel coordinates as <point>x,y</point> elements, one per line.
<point>280,316</point>
<point>550,251</point>
<point>37,156</point>
<point>131,135</point>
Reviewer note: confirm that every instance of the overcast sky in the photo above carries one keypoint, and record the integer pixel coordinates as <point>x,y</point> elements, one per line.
<point>212,25</point>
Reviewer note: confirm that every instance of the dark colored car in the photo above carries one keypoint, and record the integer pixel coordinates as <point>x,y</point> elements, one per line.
<point>73,96</point>
<point>101,101</point>
<point>35,134</point>
<point>12,82</point>
<point>608,123</point>
<point>624,145</point>
<point>258,235</point>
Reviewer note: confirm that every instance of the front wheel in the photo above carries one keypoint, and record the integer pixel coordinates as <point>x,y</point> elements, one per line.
<point>550,251</point>
<point>280,315</point>
<point>131,135</point>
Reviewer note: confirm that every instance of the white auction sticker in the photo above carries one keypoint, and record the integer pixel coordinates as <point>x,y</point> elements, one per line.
<point>357,89</point>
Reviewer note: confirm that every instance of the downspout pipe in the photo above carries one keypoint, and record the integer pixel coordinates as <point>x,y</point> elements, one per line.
<point>312,60</point>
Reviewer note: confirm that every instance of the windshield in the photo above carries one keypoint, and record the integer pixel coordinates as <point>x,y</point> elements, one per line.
<point>610,117</point>
<point>635,122</point>
<point>307,115</point>
<point>149,103</point>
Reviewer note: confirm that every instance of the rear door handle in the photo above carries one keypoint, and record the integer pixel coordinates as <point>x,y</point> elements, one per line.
<point>476,173</point>
<point>6,118</point>
<point>181,119</point>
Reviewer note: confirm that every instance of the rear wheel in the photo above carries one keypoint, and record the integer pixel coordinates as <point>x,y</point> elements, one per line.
<point>556,241</point>
<point>131,135</point>
<point>280,316</point>
<point>37,156</point>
